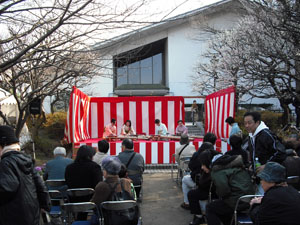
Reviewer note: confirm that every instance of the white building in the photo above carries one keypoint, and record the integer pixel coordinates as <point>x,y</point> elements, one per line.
<point>159,59</point>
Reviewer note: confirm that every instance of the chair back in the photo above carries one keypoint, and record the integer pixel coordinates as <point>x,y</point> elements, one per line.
<point>120,212</point>
<point>71,210</point>
<point>79,192</point>
<point>292,179</point>
<point>55,183</point>
<point>241,217</point>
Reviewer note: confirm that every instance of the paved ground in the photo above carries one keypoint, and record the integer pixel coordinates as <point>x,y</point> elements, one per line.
<point>161,201</point>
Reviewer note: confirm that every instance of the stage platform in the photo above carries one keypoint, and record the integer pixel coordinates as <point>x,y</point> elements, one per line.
<point>154,152</point>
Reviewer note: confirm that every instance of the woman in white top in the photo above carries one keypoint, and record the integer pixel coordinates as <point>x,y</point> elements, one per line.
<point>127,129</point>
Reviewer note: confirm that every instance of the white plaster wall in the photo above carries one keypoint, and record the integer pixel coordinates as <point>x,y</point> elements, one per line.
<point>186,48</point>
<point>182,54</point>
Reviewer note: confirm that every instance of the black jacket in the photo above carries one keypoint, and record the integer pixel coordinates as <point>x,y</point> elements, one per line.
<point>83,174</point>
<point>264,148</point>
<point>22,192</point>
<point>279,206</point>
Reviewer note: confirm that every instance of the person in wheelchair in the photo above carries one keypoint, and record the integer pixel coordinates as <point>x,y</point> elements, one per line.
<point>280,204</point>
<point>204,186</point>
<point>232,181</point>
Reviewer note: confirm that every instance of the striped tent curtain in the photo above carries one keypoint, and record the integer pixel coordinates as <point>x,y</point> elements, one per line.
<point>87,116</point>
<point>218,106</point>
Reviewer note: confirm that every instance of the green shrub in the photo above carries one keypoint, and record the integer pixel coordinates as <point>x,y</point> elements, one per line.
<point>55,125</point>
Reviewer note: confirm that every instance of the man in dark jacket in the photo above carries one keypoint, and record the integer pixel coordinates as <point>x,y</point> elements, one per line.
<point>261,141</point>
<point>280,204</point>
<point>232,181</point>
<point>22,192</point>
<point>204,186</point>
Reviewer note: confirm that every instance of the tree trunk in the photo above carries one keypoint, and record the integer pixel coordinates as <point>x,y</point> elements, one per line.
<point>286,113</point>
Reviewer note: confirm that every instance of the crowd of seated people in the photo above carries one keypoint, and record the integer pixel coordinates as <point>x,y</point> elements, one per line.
<point>99,172</point>
<point>217,181</point>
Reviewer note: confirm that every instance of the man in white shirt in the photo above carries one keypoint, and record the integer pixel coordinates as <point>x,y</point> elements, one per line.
<point>160,128</point>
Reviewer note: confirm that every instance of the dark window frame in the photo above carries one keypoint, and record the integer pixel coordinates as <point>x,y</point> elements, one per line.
<point>137,55</point>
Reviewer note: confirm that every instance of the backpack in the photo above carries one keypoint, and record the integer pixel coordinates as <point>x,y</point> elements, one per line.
<point>277,145</point>
<point>124,217</point>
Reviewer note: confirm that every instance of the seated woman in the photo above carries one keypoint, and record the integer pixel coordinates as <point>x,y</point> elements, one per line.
<point>181,129</point>
<point>127,129</point>
<point>111,167</point>
<point>280,204</point>
<point>83,173</point>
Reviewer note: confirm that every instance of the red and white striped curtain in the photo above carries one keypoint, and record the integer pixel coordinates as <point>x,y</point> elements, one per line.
<point>219,106</point>
<point>87,116</point>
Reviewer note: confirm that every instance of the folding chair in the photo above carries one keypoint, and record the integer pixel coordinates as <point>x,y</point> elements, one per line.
<point>72,209</point>
<point>241,217</point>
<point>139,191</point>
<point>125,211</point>
<point>77,194</point>
<point>174,166</point>
<point>57,197</point>
<point>293,181</point>
<point>185,170</point>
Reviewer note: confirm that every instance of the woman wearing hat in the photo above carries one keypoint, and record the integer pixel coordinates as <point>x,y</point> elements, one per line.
<point>111,167</point>
<point>280,204</point>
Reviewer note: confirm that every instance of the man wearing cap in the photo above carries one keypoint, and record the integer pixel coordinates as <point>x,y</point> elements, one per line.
<point>280,204</point>
<point>22,192</point>
<point>55,168</point>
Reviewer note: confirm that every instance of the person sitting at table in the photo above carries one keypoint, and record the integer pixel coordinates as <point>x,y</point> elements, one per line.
<point>160,128</point>
<point>181,129</point>
<point>127,129</point>
<point>110,129</point>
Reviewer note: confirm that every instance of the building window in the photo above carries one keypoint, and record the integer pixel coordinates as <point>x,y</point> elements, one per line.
<point>141,67</point>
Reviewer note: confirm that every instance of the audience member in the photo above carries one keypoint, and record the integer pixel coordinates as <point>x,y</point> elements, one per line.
<point>55,168</point>
<point>293,142</point>
<point>83,173</point>
<point>127,129</point>
<point>160,128</point>
<point>210,137</point>
<point>292,165</point>
<point>134,163</point>
<point>184,150</point>
<point>22,191</point>
<point>280,203</point>
<point>189,180</point>
<point>261,143</point>
<point>204,183</point>
<point>232,181</point>
<point>236,148</point>
<point>235,129</point>
<point>110,129</point>
<point>103,148</point>
<point>181,129</point>
<point>111,167</point>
